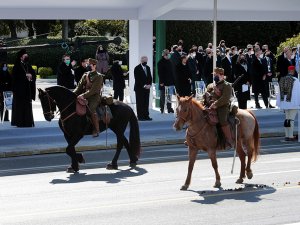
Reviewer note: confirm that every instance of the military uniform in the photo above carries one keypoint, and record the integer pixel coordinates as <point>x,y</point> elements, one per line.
<point>89,87</point>
<point>222,93</point>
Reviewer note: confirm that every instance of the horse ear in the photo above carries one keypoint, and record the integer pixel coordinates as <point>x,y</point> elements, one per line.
<point>39,90</point>
<point>178,97</point>
<point>190,98</point>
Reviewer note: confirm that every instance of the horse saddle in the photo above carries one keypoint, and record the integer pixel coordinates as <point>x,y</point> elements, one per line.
<point>104,113</point>
<point>81,106</point>
<point>212,116</point>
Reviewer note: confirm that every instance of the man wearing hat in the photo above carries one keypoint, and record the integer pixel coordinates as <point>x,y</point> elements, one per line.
<point>89,88</point>
<point>222,93</point>
<point>23,85</point>
<point>289,100</point>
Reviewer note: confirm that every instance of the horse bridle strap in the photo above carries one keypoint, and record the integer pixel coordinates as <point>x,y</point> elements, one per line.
<point>51,112</point>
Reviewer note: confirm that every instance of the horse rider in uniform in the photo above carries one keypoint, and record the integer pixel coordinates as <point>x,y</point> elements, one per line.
<point>222,93</point>
<point>89,88</point>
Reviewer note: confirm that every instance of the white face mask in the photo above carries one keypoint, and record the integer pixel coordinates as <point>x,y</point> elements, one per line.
<point>4,68</point>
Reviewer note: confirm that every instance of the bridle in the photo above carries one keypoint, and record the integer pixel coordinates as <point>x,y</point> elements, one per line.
<point>189,115</point>
<point>49,100</point>
<point>51,112</point>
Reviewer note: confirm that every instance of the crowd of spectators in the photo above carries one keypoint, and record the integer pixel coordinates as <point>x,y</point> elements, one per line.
<point>255,64</point>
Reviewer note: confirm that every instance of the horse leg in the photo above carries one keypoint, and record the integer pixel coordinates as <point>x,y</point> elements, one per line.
<point>213,159</point>
<point>242,157</point>
<point>133,158</point>
<point>248,168</point>
<point>114,163</point>
<point>70,150</point>
<point>192,159</point>
<point>76,157</point>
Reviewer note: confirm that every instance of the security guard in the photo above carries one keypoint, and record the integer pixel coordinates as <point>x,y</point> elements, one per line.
<point>89,88</point>
<point>222,93</point>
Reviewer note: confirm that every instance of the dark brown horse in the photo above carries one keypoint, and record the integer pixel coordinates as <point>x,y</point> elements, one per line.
<point>75,127</point>
<point>201,135</point>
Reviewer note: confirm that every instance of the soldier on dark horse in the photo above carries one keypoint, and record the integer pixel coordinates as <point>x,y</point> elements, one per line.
<point>89,89</point>
<point>76,123</point>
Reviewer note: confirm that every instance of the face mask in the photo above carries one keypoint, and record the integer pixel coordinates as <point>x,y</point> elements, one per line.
<point>4,68</point>
<point>194,55</point>
<point>144,63</point>
<point>216,79</point>
<point>67,61</point>
<point>26,59</point>
<point>88,68</point>
<point>230,54</point>
<point>169,56</point>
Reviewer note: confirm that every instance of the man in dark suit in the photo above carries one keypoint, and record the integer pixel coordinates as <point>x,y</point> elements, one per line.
<point>227,66</point>
<point>142,85</point>
<point>280,67</point>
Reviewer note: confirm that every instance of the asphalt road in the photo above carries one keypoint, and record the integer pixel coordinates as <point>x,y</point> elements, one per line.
<point>36,190</point>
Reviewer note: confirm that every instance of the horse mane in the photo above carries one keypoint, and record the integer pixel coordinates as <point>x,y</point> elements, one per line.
<point>62,92</point>
<point>198,104</point>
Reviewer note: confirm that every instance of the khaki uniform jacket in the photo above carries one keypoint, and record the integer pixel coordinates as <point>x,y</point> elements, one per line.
<point>223,101</point>
<point>92,94</point>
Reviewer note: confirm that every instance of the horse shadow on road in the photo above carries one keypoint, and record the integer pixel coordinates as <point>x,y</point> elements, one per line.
<point>111,178</point>
<point>246,192</point>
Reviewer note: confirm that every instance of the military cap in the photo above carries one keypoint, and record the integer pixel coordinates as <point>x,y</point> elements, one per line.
<point>218,70</point>
<point>92,61</point>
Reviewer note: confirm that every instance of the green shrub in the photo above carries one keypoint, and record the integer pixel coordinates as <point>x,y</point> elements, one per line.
<point>290,42</point>
<point>51,56</point>
<point>10,68</point>
<point>45,72</point>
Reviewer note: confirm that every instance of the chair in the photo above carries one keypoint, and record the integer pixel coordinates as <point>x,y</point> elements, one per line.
<point>7,102</point>
<point>170,96</point>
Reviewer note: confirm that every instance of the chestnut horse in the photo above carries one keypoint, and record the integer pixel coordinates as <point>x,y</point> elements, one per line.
<point>201,135</point>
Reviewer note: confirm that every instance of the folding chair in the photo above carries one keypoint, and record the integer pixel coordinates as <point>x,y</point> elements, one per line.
<point>200,89</point>
<point>7,102</point>
<point>170,96</point>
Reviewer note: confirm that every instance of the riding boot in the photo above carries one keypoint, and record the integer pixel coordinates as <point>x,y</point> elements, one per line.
<point>95,122</point>
<point>228,135</point>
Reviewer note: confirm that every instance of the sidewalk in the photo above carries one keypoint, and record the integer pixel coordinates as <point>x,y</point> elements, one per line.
<point>46,137</point>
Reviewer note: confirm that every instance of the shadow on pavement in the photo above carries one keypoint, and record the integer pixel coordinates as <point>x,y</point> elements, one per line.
<point>247,193</point>
<point>110,178</point>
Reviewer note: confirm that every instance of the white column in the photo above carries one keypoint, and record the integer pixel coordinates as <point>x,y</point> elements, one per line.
<point>140,44</point>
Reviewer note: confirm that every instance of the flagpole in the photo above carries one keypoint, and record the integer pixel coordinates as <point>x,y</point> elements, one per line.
<point>215,35</point>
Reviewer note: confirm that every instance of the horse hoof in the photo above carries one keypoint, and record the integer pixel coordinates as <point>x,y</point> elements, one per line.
<point>111,167</point>
<point>217,184</point>
<point>71,170</point>
<point>239,181</point>
<point>132,165</point>
<point>184,187</point>
<point>249,175</point>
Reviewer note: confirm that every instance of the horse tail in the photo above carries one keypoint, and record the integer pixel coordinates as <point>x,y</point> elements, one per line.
<point>134,135</point>
<point>256,137</point>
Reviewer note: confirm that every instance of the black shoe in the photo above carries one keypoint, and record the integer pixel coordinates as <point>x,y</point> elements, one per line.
<point>148,118</point>
<point>271,107</point>
<point>170,110</point>
<point>258,106</point>
<point>161,111</point>
<point>142,119</point>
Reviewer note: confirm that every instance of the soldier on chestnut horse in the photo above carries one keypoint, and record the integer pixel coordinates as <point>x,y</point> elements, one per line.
<point>202,134</point>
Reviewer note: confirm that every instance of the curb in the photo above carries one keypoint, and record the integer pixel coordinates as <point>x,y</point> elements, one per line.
<point>109,146</point>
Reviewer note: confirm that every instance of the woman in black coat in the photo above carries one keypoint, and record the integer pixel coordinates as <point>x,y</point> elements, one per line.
<point>242,69</point>
<point>23,84</point>
<point>65,73</point>
<point>118,80</point>
<point>184,77</point>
